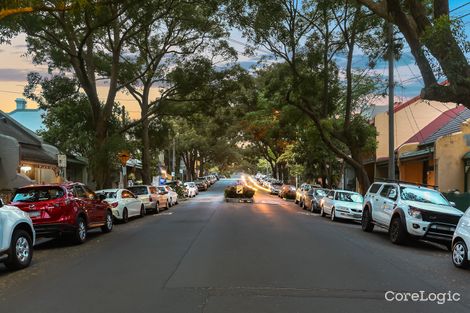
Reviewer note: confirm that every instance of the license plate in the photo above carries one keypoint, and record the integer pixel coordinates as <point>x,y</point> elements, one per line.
<point>34,213</point>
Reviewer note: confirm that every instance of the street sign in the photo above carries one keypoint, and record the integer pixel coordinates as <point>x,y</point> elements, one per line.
<point>124,156</point>
<point>62,160</point>
<point>239,189</point>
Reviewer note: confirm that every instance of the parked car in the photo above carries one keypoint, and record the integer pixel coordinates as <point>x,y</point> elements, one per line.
<point>201,185</point>
<point>171,196</point>
<point>63,209</point>
<point>301,192</point>
<point>191,189</point>
<point>342,204</point>
<point>276,188</point>
<point>313,199</point>
<point>410,211</point>
<point>149,196</point>
<point>205,180</point>
<point>124,203</point>
<point>287,192</point>
<point>461,242</point>
<point>17,237</point>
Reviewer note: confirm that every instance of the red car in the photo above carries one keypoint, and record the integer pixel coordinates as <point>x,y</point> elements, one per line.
<point>64,209</point>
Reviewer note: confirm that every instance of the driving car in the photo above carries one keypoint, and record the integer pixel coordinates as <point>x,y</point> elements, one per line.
<point>342,204</point>
<point>313,198</point>
<point>17,237</point>
<point>410,211</point>
<point>64,209</point>
<point>191,189</point>
<point>124,203</point>
<point>461,242</point>
<point>149,196</point>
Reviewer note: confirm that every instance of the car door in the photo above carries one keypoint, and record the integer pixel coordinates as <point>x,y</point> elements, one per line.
<point>97,209</point>
<point>328,204</point>
<point>134,202</point>
<point>389,204</point>
<point>84,203</point>
<point>379,205</point>
<point>126,199</point>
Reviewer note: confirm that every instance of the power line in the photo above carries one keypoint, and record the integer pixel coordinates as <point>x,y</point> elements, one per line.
<point>459,7</point>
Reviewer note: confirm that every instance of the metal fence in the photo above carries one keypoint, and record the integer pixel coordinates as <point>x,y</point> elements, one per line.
<point>461,199</point>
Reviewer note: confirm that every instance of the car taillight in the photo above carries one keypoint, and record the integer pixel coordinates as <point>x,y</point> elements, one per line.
<point>114,204</point>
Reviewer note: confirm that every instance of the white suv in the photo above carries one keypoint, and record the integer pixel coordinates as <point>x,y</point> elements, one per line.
<point>461,242</point>
<point>410,211</point>
<point>17,237</point>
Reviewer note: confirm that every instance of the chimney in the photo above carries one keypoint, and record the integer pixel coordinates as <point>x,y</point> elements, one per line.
<point>20,104</point>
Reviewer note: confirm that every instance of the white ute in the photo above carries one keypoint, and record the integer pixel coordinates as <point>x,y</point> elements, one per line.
<point>17,237</point>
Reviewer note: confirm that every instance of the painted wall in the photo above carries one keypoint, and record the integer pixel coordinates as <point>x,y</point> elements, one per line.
<point>408,121</point>
<point>448,154</point>
<point>411,171</point>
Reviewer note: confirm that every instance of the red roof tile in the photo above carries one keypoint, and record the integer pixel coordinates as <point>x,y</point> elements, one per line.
<point>436,124</point>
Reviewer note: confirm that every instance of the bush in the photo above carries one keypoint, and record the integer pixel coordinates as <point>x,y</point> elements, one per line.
<point>231,192</point>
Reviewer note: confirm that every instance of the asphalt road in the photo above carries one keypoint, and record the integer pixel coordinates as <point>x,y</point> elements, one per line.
<point>205,255</point>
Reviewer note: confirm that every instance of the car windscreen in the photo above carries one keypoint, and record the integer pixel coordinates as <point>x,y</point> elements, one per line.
<point>320,192</point>
<point>36,194</point>
<point>349,197</point>
<point>422,195</point>
<point>138,190</point>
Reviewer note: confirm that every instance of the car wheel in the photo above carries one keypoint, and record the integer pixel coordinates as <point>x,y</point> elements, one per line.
<point>333,215</point>
<point>296,201</point>
<point>170,203</point>
<point>397,231</point>
<point>322,211</point>
<point>157,207</point>
<point>460,254</point>
<point>142,211</point>
<point>366,221</point>
<point>21,252</point>
<point>302,205</point>
<point>108,226</point>
<point>167,204</point>
<point>125,216</point>
<point>80,231</point>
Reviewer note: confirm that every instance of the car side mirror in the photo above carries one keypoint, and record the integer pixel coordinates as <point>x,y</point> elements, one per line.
<point>452,204</point>
<point>101,196</point>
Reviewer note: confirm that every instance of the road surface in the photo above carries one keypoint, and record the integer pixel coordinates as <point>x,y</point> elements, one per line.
<point>205,255</point>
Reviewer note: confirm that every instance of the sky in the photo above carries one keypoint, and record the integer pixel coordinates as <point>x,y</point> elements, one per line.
<point>15,66</point>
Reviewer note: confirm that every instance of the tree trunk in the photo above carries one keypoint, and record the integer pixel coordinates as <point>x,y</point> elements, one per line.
<point>146,173</point>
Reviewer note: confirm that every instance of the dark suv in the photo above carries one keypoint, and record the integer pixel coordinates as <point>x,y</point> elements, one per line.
<point>64,209</point>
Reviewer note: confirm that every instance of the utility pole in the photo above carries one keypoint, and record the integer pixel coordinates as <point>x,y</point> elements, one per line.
<point>173,168</point>
<point>391,102</point>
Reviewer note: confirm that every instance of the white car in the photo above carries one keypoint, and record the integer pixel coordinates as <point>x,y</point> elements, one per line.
<point>191,189</point>
<point>124,203</point>
<point>461,242</point>
<point>342,204</point>
<point>17,237</point>
<point>152,199</point>
<point>172,195</point>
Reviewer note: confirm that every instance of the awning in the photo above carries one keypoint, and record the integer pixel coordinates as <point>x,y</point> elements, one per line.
<point>30,153</point>
<point>419,154</point>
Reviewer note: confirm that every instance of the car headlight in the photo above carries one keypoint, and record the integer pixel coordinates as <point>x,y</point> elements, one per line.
<point>414,212</point>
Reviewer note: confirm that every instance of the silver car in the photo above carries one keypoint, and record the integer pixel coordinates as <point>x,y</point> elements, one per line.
<point>342,204</point>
